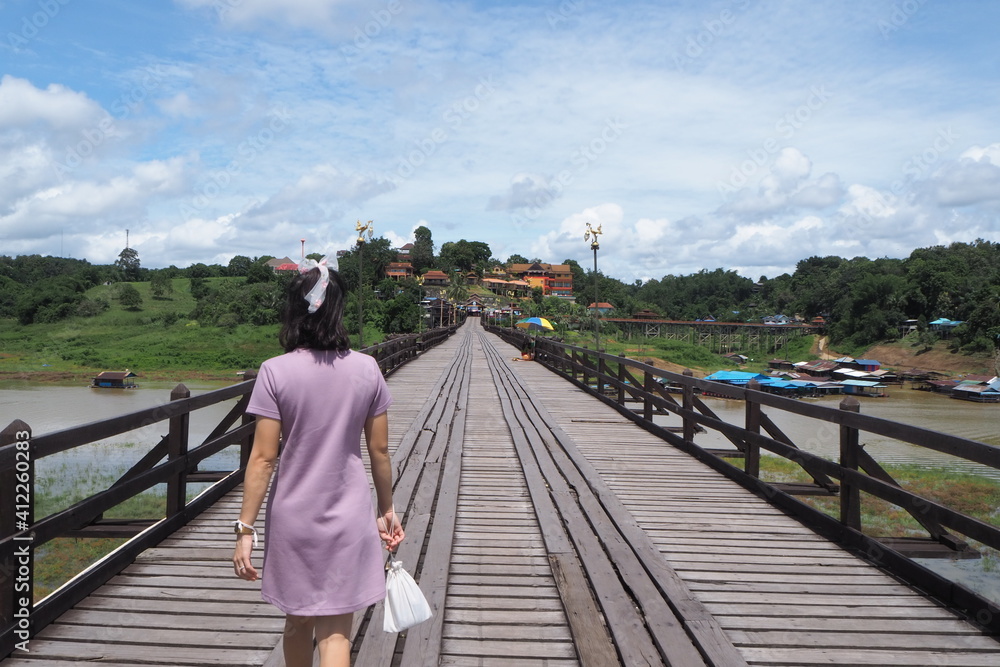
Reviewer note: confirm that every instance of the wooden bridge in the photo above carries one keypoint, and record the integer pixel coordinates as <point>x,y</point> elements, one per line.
<point>550,522</point>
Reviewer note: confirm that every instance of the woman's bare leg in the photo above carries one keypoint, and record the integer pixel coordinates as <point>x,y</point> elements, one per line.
<point>333,635</point>
<point>297,642</point>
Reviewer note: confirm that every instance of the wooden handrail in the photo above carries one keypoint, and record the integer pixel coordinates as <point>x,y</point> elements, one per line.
<point>600,369</point>
<point>856,472</point>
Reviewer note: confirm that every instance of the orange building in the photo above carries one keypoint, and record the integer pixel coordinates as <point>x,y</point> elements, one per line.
<point>554,279</point>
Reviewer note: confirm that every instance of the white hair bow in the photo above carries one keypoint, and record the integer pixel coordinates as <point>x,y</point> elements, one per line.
<point>316,295</point>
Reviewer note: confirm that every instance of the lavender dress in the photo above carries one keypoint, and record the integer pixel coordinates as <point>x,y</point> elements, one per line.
<point>322,553</point>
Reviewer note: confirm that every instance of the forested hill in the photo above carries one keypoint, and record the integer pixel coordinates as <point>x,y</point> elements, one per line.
<point>863,301</point>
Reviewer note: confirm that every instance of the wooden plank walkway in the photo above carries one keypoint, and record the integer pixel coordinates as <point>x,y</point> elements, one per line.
<point>545,529</point>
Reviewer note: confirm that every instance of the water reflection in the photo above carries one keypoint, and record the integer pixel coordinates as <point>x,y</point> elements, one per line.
<point>82,471</point>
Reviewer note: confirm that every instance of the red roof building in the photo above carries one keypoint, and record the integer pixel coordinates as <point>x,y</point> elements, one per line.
<point>435,277</point>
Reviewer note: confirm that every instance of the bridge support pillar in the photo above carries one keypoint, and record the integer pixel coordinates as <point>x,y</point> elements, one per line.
<point>850,495</point>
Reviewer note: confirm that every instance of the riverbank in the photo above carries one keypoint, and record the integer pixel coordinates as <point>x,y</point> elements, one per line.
<point>84,376</point>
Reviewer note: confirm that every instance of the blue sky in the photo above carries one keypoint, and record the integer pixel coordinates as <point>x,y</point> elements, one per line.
<point>739,134</point>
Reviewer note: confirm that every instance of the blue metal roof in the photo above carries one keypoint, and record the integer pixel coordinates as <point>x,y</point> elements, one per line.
<point>737,377</point>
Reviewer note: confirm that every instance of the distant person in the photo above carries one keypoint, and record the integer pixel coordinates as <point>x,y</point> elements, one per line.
<point>526,354</point>
<point>322,553</point>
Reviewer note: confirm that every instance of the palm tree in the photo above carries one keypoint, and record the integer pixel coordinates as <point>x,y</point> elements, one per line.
<point>457,292</point>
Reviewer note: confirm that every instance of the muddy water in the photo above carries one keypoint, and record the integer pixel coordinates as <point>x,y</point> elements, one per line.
<point>81,471</point>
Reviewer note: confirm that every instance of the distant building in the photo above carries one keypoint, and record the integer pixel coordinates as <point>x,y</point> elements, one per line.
<point>283,264</point>
<point>943,325</point>
<point>399,270</point>
<point>114,380</point>
<point>604,307</point>
<point>435,278</point>
<point>554,279</point>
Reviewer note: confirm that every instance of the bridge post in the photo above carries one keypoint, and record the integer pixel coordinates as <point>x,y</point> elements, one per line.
<point>688,403</point>
<point>17,509</point>
<point>621,379</point>
<point>247,443</point>
<point>751,464</point>
<point>600,371</point>
<point>177,446</point>
<point>850,495</point>
<point>647,388</point>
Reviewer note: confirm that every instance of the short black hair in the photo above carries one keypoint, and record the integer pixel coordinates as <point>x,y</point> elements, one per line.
<point>322,330</point>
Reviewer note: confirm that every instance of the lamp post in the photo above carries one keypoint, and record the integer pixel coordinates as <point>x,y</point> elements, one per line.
<point>362,230</point>
<point>592,233</point>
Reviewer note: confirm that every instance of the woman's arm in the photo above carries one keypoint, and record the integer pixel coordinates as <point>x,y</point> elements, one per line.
<point>260,467</point>
<point>377,438</point>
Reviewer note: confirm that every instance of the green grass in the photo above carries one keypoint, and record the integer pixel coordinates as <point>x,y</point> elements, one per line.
<point>682,353</point>
<point>157,337</point>
<point>970,494</point>
<point>61,559</point>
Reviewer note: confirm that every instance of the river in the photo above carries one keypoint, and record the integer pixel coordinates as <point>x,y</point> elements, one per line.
<point>77,473</point>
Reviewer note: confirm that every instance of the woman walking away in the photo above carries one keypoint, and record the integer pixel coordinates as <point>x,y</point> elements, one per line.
<point>322,551</point>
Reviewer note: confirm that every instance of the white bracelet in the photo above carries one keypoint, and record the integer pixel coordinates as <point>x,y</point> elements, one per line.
<point>253,531</point>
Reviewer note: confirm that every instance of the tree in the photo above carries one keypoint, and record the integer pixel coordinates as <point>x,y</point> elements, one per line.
<point>199,270</point>
<point>129,297</point>
<point>199,287</point>
<point>160,285</point>
<point>50,300</point>
<point>457,291</point>
<point>259,272</point>
<point>128,265</point>
<point>519,259</point>
<point>377,254</point>
<point>239,265</point>
<point>464,256</point>
<point>422,254</point>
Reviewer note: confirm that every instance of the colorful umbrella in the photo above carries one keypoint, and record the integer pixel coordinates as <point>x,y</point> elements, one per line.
<point>535,324</point>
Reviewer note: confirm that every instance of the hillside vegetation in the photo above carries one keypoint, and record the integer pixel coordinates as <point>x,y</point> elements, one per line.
<point>61,315</point>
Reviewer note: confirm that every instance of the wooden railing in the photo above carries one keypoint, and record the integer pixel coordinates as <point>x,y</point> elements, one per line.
<point>171,461</point>
<point>639,391</point>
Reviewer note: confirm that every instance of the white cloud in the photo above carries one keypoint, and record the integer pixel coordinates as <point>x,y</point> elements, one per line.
<point>530,191</point>
<point>785,187</point>
<point>824,147</point>
<point>24,106</point>
<point>972,179</point>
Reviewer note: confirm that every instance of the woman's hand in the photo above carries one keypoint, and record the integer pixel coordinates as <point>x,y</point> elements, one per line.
<point>241,558</point>
<point>390,530</point>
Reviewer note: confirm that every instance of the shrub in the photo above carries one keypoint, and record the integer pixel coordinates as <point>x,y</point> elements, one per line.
<point>92,307</point>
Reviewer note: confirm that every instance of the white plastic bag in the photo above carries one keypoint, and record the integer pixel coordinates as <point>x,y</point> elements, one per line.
<point>405,604</point>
